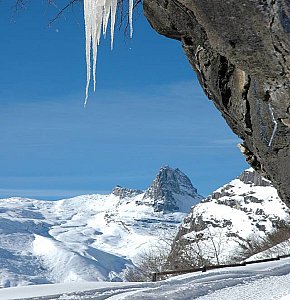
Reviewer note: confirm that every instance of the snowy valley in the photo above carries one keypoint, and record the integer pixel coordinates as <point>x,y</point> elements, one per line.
<point>90,237</point>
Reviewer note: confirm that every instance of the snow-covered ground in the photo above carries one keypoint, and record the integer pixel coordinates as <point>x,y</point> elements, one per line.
<point>264,281</point>
<point>90,237</point>
<point>77,243</point>
<point>93,237</point>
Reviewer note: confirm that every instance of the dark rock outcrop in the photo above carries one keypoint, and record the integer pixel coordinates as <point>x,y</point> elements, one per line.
<point>240,51</point>
<point>125,192</point>
<point>250,177</point>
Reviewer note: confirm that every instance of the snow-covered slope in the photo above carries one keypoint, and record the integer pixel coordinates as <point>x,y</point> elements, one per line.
<point>265,281</point>
<point>246,208</point>
<point>90,237</point>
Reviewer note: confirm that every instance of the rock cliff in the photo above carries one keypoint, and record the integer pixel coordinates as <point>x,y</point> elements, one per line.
<point>240,52</point>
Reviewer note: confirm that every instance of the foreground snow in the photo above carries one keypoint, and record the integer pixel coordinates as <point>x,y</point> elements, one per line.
<point>264,281</point>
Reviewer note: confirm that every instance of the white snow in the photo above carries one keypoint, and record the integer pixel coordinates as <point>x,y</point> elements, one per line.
<point>77,243</point>
<point>86,238</point>
<point>264,281</point>
<point>237,215</point>
<point>97,14</point>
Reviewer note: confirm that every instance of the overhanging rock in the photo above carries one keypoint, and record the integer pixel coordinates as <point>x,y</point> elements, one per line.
<point>240,51</point>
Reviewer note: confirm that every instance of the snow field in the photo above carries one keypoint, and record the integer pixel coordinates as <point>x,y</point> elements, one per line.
<point>86,238</point>
<point>264,281</point>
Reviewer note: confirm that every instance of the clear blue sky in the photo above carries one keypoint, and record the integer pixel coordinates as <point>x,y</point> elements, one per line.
<point>148,111</point>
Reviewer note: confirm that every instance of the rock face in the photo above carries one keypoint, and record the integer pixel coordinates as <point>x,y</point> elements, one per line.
<point>171,191</point>
<point>244,210</point>
<point>240,52</point>
<point>125,192</point>
<point>250,177</point>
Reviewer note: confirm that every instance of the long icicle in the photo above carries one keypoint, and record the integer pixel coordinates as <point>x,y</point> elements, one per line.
<point>88,29</point>
<point>131,5</point>
<point>97,14</point>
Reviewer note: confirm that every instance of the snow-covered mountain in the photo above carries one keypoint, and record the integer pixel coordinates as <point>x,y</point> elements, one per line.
<point>90,237</point>
<point>247,208</point>
<point>171,191</point>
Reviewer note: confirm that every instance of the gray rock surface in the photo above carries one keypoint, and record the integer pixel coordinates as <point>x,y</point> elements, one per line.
<point>250,177</point>
<point>125,192</point>
<point>240,52</point>
<point>172,190</point>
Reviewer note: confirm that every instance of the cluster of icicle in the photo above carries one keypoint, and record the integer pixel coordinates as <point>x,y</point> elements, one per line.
<point>97,14</point>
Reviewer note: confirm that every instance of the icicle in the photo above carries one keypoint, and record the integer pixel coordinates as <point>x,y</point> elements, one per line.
<point>275,125</point>
<point>113,20</point>
<point>88,28</point>
<point>107,10</point>
<point>131,5</point>
<point>97,9</point>
<point>97,14</point>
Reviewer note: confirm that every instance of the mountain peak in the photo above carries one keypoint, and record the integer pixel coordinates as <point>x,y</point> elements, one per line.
<point>172,190</point>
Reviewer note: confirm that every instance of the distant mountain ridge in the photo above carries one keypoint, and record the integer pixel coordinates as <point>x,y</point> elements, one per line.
<point>90,237</point>
<point>97,237</point>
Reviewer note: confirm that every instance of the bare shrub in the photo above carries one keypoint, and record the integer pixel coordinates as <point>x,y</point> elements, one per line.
<point>274,244</point>
<point>152,260</point>
<point>200,248</point>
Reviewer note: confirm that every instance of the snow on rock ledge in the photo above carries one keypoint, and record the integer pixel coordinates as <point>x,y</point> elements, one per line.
<point>247,207</point>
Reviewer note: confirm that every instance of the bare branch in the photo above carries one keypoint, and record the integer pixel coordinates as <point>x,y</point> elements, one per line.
<point>62,10</point>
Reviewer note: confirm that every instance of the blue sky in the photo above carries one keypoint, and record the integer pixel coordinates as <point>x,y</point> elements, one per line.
<point>148,111</point>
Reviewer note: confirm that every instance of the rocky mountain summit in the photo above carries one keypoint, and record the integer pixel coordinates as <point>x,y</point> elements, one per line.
<point>247,208</point>
<point>253,178</point>
<point>171,191</point>
<point>240,51</point>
